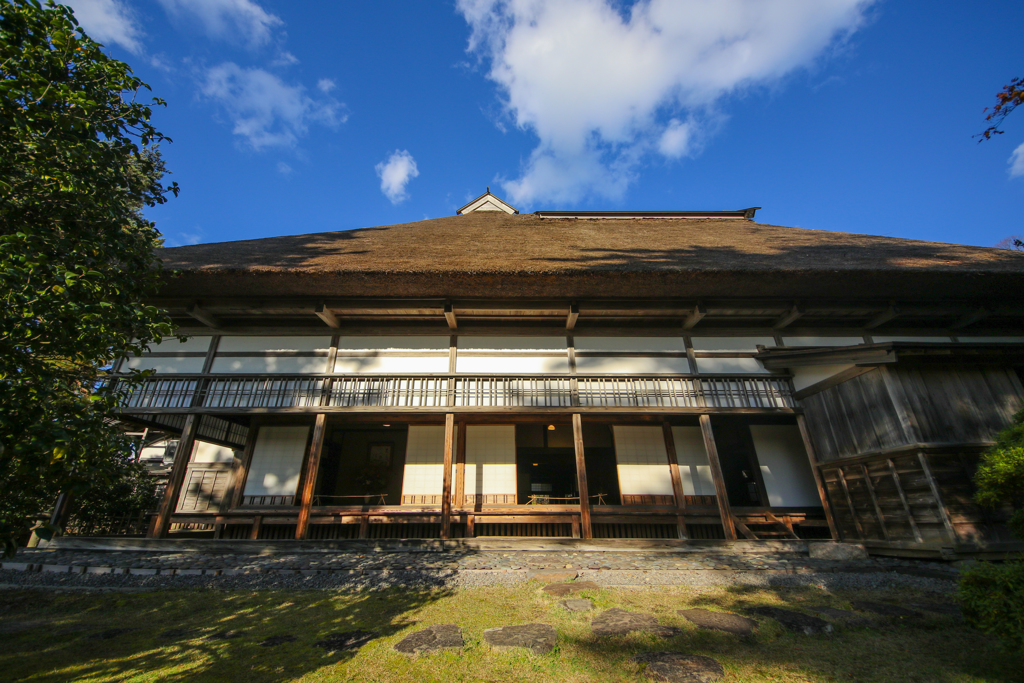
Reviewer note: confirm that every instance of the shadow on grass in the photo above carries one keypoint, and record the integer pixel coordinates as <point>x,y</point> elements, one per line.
<point>206,635</point>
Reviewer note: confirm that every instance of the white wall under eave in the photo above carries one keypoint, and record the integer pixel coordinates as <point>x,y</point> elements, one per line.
<point>784,466</point>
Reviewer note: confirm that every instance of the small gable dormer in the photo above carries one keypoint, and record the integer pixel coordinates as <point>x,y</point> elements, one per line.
<point>487,202</point>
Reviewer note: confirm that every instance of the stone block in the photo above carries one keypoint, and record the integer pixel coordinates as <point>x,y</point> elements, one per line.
<point>537,638</point>
<point>143,571</point>
<point>440,637</point>
<point>57,568</point>
<point>838,552</point>
<point>188,572</point>
<point>18,566</point>
<point>99,570</point>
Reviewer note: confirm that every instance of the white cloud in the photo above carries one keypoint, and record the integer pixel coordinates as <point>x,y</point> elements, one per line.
<point>326,85</point>
<point>240,21</point>
<point>108,22</point>
<point>266,111</point>
<point>600,86</point>
<point>395,173</point>
<point>285,58</point>
<point>1016,162</point>
<point>283,168</point>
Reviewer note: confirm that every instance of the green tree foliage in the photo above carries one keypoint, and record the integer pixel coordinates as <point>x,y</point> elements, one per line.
<point>76,256</point>
<point>1000,475</point>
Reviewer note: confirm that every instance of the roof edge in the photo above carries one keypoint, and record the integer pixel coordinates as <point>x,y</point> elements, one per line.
<point>747,214</point>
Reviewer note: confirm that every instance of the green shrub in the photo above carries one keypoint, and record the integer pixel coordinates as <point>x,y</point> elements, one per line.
<point>992,598</point>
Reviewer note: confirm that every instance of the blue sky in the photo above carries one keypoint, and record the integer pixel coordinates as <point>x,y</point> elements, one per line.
<point>301,116</point>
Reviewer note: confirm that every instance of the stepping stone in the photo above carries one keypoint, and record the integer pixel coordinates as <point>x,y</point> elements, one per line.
<point>949,609</point>
<point>676,667</point>
<point>440,637</point>
<point>348,640</point>
<point>560,590</point>
<point>577,605</point>
<point>180,633</point>
<point>847,617</point>
<point>884,609</point>
<point>720,621</point>
<point>619,622</point>
<point>537,638</point>
<point>794,621</point>
<point>224,635</point>
<point>274,641</point>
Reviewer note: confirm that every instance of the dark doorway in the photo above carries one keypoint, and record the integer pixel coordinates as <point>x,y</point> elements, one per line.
<point>739,462</point>
<point>361,464</point>
<point>546,465</point>
<point>602,468</point>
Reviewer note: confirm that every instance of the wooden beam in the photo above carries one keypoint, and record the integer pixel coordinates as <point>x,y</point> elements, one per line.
<point>327,315</point>
<point>883,317</point>
<point>449,315</point>
<point>849,502</point>
<point>791,316</point>
<point>181,457</point>
<point>812,457</point>
<point>446,488</point>
<point>695,316</point>
<point>574,313</point>
<point>460,467</point>
<point>202,315</point>
<point>316,447</point>
<point>581,476</point>
<point>874,500</point>
<point>677,480</point>
<point>970,318</point>
<point>722,496</point>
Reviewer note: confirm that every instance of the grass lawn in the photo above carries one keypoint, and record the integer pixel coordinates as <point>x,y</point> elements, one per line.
<point>74,636</point>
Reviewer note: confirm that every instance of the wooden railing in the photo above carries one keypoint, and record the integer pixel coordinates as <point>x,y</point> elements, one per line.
<point>161,393</point>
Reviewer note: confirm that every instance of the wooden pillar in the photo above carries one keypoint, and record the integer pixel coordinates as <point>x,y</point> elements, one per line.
<point>904,501</point>
<point>240,467</point>
<point>581,476</point>
<point>460,468</point>
<point>312,465</point>
<point>874,500</point>
<point>181,457</point>
<point>934,486</point>
<point>446,489</point>
<point>677,479</point>
<point>716,474</point>
<point>849,502</point>
<point>812,458</point>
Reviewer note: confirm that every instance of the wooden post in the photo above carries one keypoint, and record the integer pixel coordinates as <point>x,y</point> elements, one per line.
<point>849,501</point>
<point>677,479</point>
<point>446,489</point>
<point>943,513</point>
<point>812,458</point>
<point>181,457</point>
<point>906,503</point>
<point>460,468</point>
<point>240,469</point>
<point>316,448</point>
<point>716,473</point>
<point>581,476</point>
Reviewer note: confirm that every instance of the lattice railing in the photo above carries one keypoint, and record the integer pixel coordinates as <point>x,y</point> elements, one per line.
<point>461,391</point>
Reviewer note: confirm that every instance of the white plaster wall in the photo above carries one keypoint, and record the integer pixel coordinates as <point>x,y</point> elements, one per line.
<point>992,340</point>
<point>632,365</point>
<point>629,344</point>
<point>909,338</point>
<point>513,365</point>
<point>276,461</point>
<point>256,343</point>
<point>490,459</point>
<point>169,365</point>
<point>730,343</point>
<point>726,366</point>
<point>694,469</point>
<point>822,341</point>
<point>424,461</point>
<point>512,343</point>
<point>784,466</point>
<point>279,364</point>
<point>172,345</point>
<point>642,461</point>
<point>397,365</point>
<point>812,374</point>
<point>410,343</point>
<point>206,452</point>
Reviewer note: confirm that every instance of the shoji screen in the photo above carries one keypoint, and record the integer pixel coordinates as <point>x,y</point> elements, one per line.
<point>276,461</point>
<point>784,466</point>
<point>693,462</point>
<point>491,464</point>
<point>644,477</point>
<point>423,480</point>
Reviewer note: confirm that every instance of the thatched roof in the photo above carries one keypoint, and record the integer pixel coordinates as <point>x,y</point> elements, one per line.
<point>493,254</point>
